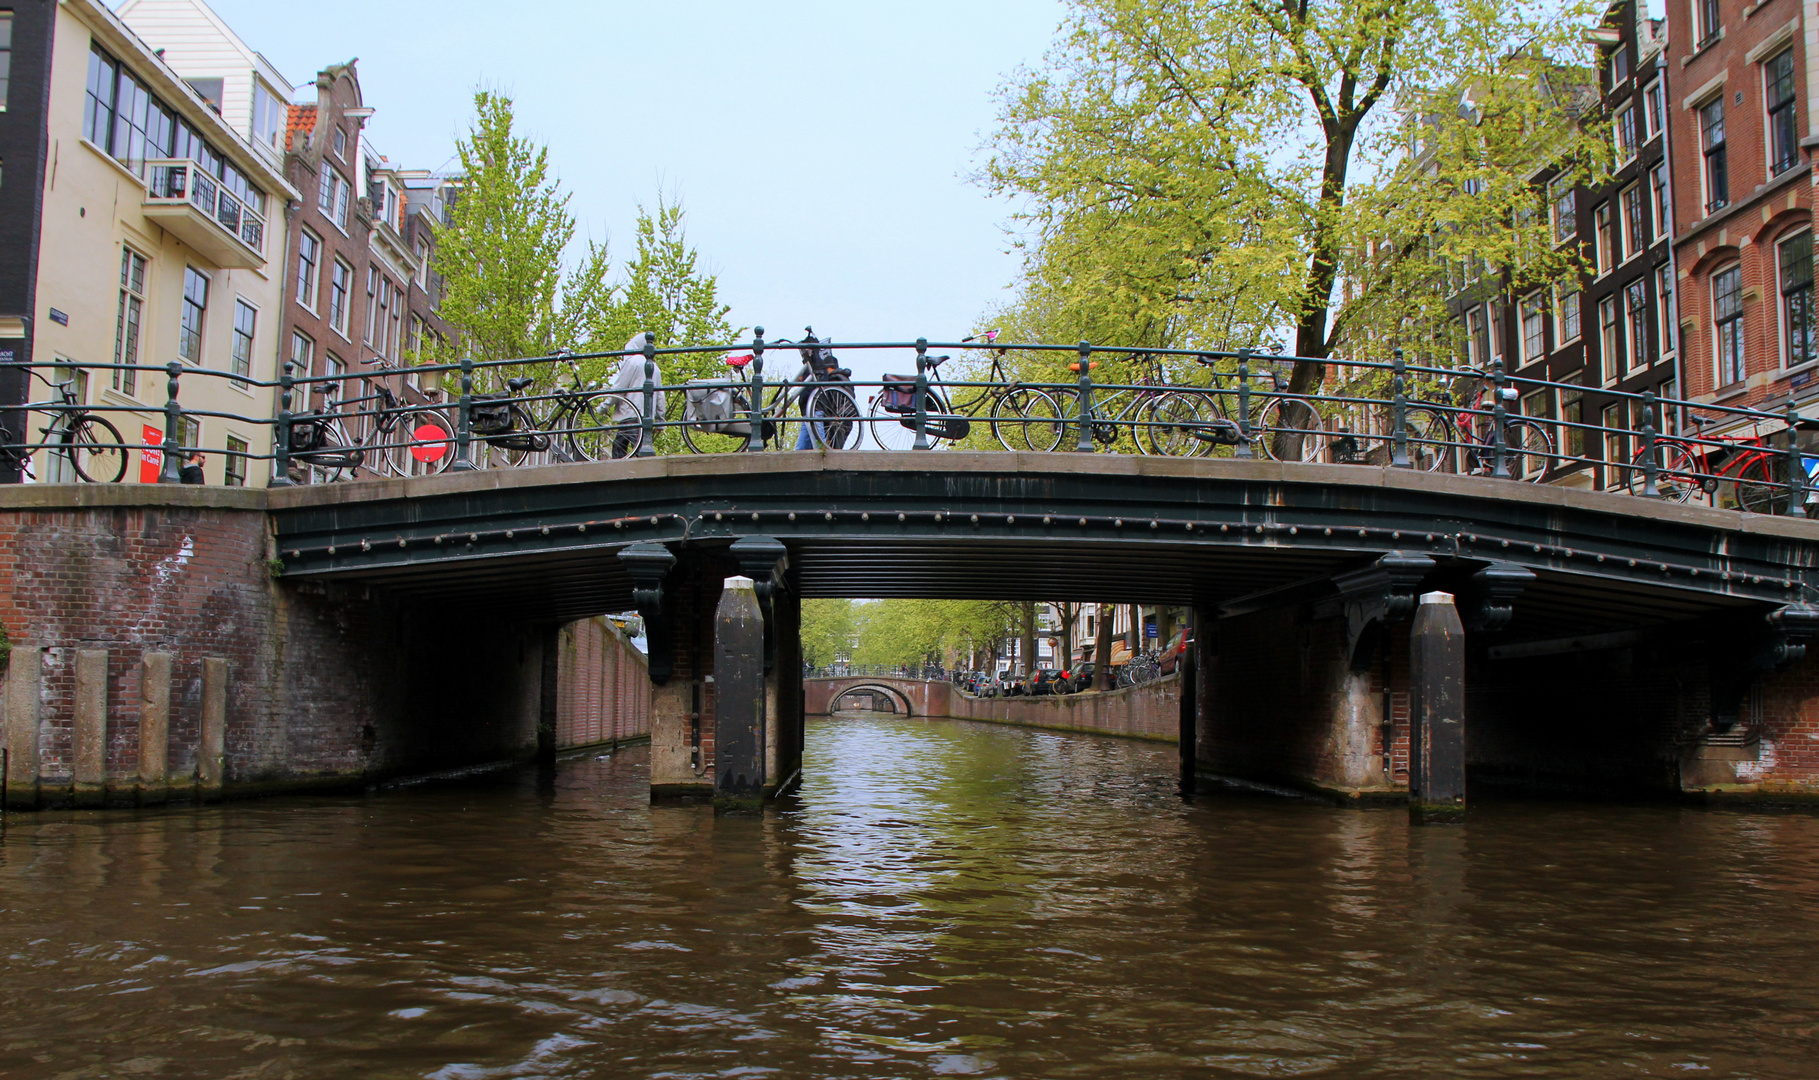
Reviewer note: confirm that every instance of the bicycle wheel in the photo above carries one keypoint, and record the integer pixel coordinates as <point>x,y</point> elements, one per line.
<point>425,441</point>
<point>1430,440</point>
<point>95,450</point>
<point>1289,429</point>
<point>1531,450</point>
<point>1025,418</point>
<point>1170,426</point>
<point>897,430</point>
<point>1759,488</point>
<point>833,418</point>
<point>1674,472</point>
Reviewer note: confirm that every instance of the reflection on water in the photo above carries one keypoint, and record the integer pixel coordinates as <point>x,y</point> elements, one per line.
<point>943,899</point>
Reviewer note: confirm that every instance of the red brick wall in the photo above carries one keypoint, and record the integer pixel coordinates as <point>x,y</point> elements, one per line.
<point>1762,208</point>
<point>326,683</point>
<point>604,689</point>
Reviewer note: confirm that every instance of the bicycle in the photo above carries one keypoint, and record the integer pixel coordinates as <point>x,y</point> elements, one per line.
<point>91,443</point>
<point>397,437</point>
<point>1681,467</point>
<point>1166,422</point>
<point>1023,417</point>
<point>820,391</point>
<point>1436,430</point>
<point>584,423</point>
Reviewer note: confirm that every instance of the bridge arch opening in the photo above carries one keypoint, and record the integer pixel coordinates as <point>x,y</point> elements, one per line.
<point>872,697</point>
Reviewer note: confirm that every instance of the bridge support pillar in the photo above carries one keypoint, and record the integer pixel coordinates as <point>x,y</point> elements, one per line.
<point>741,700</point>
<point>1437,712</point>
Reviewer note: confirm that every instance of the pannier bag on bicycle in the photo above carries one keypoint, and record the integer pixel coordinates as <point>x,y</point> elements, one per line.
<point>898,394</point>
<point>307,438</point>
<point>491,414</point>
<point>717,408</point>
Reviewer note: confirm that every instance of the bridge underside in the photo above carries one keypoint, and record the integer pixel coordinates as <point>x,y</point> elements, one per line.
<point>1219,535</point>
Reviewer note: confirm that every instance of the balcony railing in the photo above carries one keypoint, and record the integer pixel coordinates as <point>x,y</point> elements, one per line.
<point>183,183</point>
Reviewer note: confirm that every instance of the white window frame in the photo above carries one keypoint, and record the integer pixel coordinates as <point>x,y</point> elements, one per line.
<point>1604,218</point>
<point>1782,319</point>
<point>1661,202</point>
<point>304,237</point>
<point>1743,359</point>
<point>1625,153</point>
<point>1534,306</point>
<point>1667,323</point>
<point>1635,324</point>
<point>1610,338</point>
<point>1560,320</point>
<point>1632,245</point>
<point>1654,110</point>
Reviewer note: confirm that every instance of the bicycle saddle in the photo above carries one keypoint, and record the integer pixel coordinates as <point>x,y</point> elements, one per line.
<point>738,360</point>
<point>515,385</point>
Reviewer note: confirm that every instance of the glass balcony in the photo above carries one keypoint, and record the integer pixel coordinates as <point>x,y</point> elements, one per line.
<point>193,205</point>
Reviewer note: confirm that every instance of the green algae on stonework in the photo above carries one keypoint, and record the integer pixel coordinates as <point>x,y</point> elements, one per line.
<point>6,648</point>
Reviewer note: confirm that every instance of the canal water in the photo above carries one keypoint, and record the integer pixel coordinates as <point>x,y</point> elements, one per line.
<point>943,899</point>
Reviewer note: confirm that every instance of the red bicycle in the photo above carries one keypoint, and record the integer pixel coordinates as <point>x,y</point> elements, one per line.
<point>1683,467</point>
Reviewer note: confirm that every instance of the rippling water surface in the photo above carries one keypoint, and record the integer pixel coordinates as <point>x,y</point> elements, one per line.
<point>943,899</point>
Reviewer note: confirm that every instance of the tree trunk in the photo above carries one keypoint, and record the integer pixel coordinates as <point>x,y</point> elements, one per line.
<point>1029,639</point>
<point>1102,648</point>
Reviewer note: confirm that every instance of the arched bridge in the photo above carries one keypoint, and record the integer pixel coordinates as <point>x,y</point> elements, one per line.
<point>909,697</point>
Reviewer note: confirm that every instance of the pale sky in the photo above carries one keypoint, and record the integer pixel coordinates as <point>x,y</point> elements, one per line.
<point>821,149</point>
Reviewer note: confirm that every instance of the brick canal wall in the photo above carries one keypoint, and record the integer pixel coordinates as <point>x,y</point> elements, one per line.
<point>154,655</point>
<point>1151,711</point>
<point>604,689</point>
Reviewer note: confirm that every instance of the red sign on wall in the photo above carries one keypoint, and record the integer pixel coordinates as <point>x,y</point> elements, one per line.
<point>150,460</point>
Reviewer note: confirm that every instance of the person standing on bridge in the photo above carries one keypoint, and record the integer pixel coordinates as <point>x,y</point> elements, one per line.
<point>628,384</point>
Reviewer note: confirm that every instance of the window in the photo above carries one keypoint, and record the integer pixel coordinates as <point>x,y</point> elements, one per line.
<point>233,469</point>
<point>1478,338</point>
<point>1709,26</point>
<point>1619,65</point>
<point>1610,339</point>
<point>1664,300</point>
<point>1615,449</point>
<point>1572,413</point>
<point>396,324</point>
<point>268,117</point>
<point>1604,241</point>
<point>341,143</point>
<point>1711,138</point>
<point>332,194</point>
<point>372,304</point>
<point>1783,143</point>
<point>421,250</point>
<point>303,351</point>
<point>414,343</point>
<point>334,366</point>
<point>6,55</point>
<point>1658,187</point>
<point>1634,221</point>
<point>1795,256</point>
<point>1635,321</point>
<point>1656,104</point>
<point>1534,330</point>
<point>309,254</point>
<point>1566,213</point>
<point>1566,318</point>
<point>340,282</point>
<point>1626,134</point>
<point>246,317</point>
<point>195,305</point>
<point>1727,324</point>
<point>129,318</point>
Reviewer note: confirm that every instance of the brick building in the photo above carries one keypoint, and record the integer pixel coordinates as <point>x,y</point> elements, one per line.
<point>359,297</point>
<point>1743,199</point>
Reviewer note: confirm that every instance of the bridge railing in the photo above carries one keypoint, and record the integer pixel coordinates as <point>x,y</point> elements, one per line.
<point>1023,397</point>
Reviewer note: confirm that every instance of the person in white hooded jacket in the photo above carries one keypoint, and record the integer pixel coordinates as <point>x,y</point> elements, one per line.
<point>628,400</point>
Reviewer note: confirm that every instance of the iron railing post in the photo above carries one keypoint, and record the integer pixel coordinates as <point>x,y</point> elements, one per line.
<point>1399,413</point>
<point>171,471</point>
<point>647,446</point>
<point>1500,464</point>
<point>1243,449</point>
<point>1085,443</point>
<point>281,439</point>
<point>754,441</point>
<point>921,442</point>
<point>1650,468</point>
<point>1796,469</point>
<point>464,420</point>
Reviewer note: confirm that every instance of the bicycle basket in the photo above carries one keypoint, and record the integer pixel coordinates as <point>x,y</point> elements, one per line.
<point>898,394</point>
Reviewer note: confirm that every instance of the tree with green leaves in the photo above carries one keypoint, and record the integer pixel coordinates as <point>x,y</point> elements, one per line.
<point>828,629</point>
<point>1223,173</point>
<point>502,259</point>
